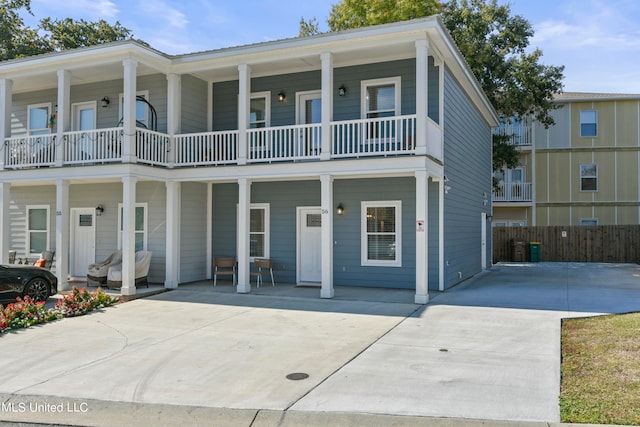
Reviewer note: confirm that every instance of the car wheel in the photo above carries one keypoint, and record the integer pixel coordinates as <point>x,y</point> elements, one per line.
<point>38,289</point>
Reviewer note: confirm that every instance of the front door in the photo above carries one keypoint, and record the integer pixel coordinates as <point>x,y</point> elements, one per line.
<point>309,245</point>
<point>310,112</point>
<point>84,119</point>
<point>82,247</point>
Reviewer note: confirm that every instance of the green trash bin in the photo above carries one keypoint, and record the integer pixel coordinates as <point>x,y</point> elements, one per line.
<point>534,251</point>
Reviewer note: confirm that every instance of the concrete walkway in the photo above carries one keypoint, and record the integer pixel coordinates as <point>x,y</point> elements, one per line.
<point>485,350</point>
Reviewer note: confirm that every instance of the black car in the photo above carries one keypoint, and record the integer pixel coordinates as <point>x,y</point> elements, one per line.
<point>22,280</point>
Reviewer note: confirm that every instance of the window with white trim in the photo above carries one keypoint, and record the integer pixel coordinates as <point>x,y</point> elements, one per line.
<point>142,109</point>
<point>589,177</point>
<point>39,119</point>
<point>140,226</point>
<point>588,123</point>
<point>259,108</point>
<point>259,231</point>
<point>381,233</point>
<point>380,98</point>
<point>37,229</point>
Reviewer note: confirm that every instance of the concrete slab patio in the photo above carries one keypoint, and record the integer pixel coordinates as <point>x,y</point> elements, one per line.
<point>487,349</point>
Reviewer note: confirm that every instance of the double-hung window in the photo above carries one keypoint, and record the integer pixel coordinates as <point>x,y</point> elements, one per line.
<point>588,123</point>
<point>259,231</point>
<point>140,226</point>
<point>381,233</point>
<point>589,177</point>
<point>37,229</point>
<point>38,120</point>
<point>380,99</point>
<point>259,107</point>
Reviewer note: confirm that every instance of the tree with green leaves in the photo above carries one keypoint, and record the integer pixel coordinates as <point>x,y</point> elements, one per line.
<point>494,43</point>
<point>18,40</point>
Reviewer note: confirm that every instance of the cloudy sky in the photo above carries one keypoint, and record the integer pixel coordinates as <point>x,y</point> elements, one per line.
<point>598,41</point>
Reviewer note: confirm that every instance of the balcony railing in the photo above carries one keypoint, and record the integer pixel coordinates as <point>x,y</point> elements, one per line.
<point>515,192</point>
<point>30,151</point>
<point>519,134</point>
<point>349,139</point>
<point>374,137</point>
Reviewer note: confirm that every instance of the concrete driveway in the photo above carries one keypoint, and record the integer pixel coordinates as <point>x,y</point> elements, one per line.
<point>487,349</point>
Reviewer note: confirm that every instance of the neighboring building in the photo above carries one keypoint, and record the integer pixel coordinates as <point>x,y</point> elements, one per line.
<point>121,146</point>
<point>584,170</point>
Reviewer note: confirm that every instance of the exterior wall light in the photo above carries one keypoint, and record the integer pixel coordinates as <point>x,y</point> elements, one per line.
<point>340,209</point>
<point>105,102</point>
<point>99,210</point>
<point>342,91</point>
<point>282,97</point>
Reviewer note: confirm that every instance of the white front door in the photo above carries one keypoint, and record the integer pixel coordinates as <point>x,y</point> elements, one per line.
<point>309,112</point>
<point>82,246</point>
<point>309,245</point>
<point>84,118</point>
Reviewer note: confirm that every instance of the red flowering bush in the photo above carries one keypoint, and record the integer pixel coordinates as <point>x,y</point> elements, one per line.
<point>26,312</point>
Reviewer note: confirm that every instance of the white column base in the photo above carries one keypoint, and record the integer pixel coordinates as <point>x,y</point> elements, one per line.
<point>421,299</point>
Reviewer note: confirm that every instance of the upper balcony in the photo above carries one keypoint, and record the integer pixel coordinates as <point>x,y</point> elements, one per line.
<point>519,134</point>
<point>513,192</point>
<point>389,136</point>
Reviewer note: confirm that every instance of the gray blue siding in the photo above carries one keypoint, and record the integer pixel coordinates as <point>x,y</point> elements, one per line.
<point>467,154</point>
<point>193,224</point>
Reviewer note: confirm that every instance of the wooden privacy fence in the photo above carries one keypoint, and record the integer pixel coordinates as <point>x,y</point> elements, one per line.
<point>601,243</point>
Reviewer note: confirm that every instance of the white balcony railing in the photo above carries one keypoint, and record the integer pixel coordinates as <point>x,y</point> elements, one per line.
<point>206,148</point>
<point>373,137</point>
<point>297,142</point>
<point>349,139</point>
<point>30,151</point>
<point>93,146</point>
<point>519,134</point>
<point>515,192</point>
<point>152,147</point>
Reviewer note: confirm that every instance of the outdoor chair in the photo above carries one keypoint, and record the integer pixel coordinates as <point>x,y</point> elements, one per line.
<point>262,265</point>
<point>45,260</point>
<point>224,267</point>
<point>143,262</point>
<point>97,273</point>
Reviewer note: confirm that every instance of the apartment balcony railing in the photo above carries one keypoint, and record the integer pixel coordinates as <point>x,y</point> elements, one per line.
<point>388,136</point>
<point>515,192</point>
<point>519,134</point>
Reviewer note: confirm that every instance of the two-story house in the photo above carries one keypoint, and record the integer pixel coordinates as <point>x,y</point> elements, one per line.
<point>356,158</point>
<point>584,170</point>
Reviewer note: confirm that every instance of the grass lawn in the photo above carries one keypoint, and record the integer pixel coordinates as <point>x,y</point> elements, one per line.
<point>601,370</point>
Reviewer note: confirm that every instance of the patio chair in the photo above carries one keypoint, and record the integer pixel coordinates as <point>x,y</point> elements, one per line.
<point>143,262</point>
<point>224,267</point>
<point>45,260</point>
<point>97,272</point>
<point>262,265</point>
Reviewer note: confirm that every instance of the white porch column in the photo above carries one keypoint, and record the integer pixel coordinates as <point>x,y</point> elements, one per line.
<point>441,235</point>
<point>6,94</point>
<point>63,220</point>
<point>422,98</point>
<point>174,103</point>
<point>5,201</point>
<point>209,230</point>
<point>129,111</point>
<point>327,104</point>
<point>128,235</point>
<point>244,103</point>
<point>422,237</point>
<point>244,211</point>
<point>172,274</point>
<point>326,203</point>
<point>63,115</point>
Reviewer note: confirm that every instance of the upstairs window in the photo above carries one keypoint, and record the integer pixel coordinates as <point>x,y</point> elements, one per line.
<point>259,110</point>
<point>381,98</point>
<point>588,123</point>
<point>589,177</point>
<point>38,120</point>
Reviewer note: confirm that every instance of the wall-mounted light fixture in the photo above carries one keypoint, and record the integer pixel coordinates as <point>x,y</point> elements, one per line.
<point>99,210</point>
<point>342,91</point>
<point>105,102</point>
<point>340,209</point>
<point>282,97</point>
<point>489,218</point>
